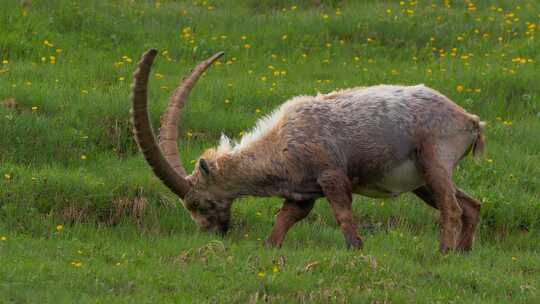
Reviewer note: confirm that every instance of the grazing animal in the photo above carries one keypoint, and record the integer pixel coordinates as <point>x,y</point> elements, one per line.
<point>376,141</point>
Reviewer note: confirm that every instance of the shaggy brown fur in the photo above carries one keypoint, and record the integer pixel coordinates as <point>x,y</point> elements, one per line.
<point>377,141</point>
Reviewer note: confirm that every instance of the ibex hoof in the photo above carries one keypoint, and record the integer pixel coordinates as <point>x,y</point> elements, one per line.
<point>354,243</point>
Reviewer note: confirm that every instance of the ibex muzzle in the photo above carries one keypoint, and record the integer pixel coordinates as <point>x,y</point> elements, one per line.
<point>377,141</point>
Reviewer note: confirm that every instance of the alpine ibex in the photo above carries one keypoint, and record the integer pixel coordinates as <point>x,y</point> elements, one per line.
<point>376,141</point>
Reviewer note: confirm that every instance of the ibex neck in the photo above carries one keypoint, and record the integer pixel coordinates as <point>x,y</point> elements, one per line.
<point>258,170</point>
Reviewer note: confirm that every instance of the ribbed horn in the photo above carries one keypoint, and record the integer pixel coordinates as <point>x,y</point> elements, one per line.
<point>143,129</point>
<point>168,132</point>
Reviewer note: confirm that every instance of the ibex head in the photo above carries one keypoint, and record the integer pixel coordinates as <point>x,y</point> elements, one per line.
<point>201,192</point>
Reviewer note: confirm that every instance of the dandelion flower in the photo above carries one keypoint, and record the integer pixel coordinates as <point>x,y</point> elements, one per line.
<point>59,228</point>
<point>76,264</point>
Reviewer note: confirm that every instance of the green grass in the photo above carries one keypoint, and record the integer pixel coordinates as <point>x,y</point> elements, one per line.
<point>130,234</point>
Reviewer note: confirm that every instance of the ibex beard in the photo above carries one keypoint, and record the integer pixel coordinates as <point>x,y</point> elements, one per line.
<point>377,141</point>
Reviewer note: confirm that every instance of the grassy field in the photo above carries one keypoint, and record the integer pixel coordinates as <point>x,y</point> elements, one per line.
<point>82,218</point>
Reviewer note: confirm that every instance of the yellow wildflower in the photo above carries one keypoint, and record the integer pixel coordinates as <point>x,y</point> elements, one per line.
<point>76,264</point>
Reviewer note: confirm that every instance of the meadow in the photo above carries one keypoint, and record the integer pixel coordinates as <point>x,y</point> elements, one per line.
<point>83,219</point>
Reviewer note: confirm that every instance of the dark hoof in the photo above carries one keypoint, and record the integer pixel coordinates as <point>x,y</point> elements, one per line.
<point>271,244</point>
<point>354,243</point>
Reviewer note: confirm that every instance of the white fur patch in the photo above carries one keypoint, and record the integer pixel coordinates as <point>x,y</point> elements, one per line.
<point>403,178</point>
<point>263,126</point>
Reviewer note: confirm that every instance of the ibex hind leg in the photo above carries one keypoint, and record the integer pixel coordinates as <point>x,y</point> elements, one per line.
<point>437,174</point>
<point>469,218</point>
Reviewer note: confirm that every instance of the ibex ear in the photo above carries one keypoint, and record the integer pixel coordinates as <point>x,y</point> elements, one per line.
<point>203,165</point>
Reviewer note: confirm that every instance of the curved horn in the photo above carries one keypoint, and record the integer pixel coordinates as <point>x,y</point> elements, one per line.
<point>143,129</point>
<point>168,132</point>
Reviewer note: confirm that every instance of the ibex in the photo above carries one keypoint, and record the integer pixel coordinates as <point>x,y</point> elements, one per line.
<point>377,141</point>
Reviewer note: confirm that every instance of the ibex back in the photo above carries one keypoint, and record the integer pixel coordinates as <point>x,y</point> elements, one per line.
<point>376,141</point>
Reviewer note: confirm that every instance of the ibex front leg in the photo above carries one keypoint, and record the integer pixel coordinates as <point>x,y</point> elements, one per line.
<point>336,187</point>
<point>290,213</point>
